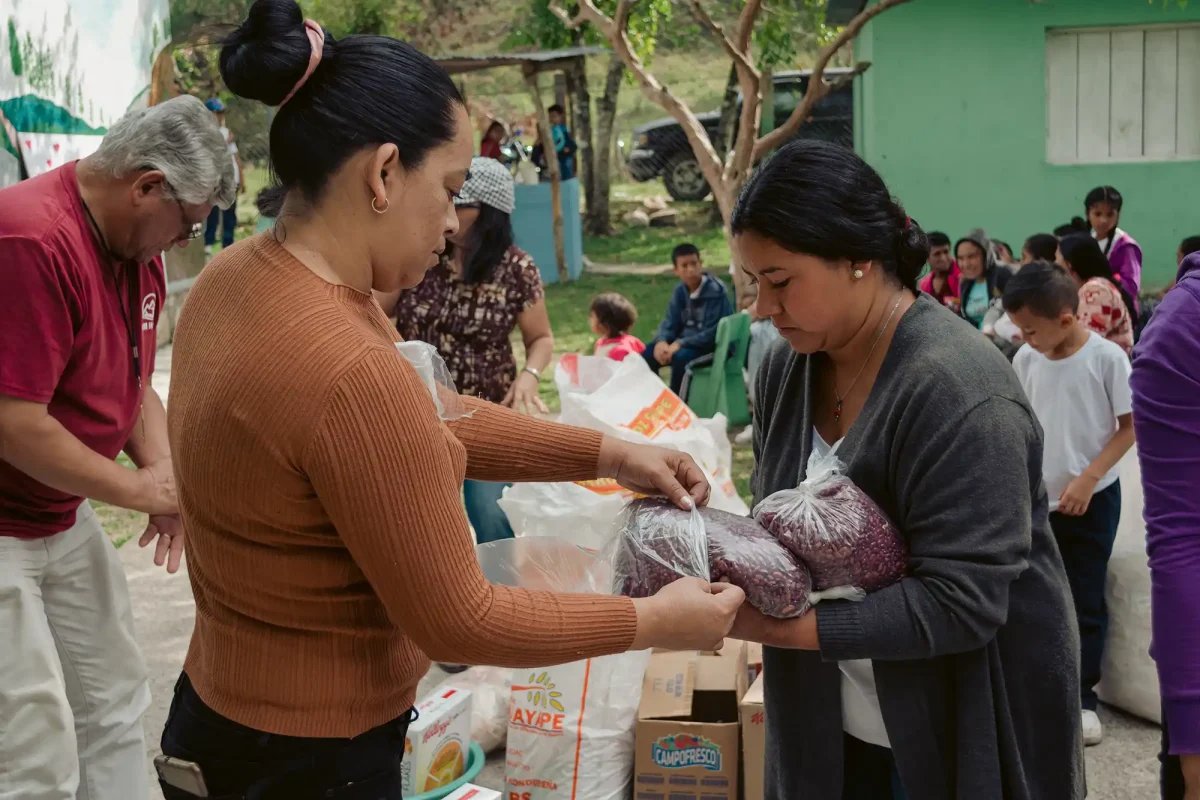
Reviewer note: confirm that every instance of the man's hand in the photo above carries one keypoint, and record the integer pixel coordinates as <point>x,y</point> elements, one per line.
<point>673,349</point>
<point>1077,496</point>
<point>156,490</point>
<point>168,530</point>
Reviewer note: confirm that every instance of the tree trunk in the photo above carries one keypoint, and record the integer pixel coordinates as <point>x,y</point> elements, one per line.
<point>599,220</point>
<point>583,134</point>
<point>729,114</point>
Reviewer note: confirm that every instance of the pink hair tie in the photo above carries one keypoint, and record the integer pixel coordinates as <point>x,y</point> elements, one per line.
<point>316,39</point>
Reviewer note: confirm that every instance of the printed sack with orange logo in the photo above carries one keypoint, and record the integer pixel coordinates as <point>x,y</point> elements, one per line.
<point>625,400</point>
<point>570,726</point>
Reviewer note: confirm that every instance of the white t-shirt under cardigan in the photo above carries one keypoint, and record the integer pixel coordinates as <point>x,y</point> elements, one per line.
<point>861,717</point>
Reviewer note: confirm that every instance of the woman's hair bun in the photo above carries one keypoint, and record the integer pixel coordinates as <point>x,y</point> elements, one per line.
<point>268,53</point>
<point>912,251</point>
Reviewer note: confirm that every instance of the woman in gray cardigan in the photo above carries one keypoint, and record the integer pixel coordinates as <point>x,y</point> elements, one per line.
<point>962,680</point>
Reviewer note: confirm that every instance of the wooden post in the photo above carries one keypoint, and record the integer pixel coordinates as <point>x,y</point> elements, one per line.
<point>583,131</point>
<point>560,89</point>
<point>551,156</point>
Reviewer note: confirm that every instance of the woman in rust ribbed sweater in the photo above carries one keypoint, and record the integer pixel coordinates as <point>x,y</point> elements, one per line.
<point>328,550</point>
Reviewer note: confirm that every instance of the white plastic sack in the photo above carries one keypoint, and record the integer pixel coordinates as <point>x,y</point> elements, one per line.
<point>1130,680</point>
<point>571,726</point>
<point>489,687</point>
<point>625,400</point>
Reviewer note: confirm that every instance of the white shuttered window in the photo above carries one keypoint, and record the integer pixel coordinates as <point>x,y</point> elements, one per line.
<point>1123,94</point>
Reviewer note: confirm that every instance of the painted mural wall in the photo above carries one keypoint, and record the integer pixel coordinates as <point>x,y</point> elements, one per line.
<point>955,115</point>
<point>68,70</point>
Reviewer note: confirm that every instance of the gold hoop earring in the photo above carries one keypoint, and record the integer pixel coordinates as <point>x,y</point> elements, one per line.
<point>858,273</point>
<point>386,205</point>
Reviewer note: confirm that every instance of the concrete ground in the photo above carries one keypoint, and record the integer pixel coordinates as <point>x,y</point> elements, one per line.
<point>1124,767</point>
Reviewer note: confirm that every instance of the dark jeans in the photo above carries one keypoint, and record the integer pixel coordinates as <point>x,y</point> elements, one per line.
<point>1172,773</point>
<point>240,763</point>
<point>679,362</point>
<point>485,514</point>
<point>1086,544</point>
<point>869,772</point>
<point>227,219</point>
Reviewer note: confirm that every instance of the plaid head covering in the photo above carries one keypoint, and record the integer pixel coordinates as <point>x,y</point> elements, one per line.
<point>489,183</point>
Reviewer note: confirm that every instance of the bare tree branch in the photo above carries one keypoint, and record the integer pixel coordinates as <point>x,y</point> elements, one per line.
<point>745,25</point>
<point>739,159</point>
<point>587,13</point>
<point>702,147</point>
<point>739,55</point>
<point>818,87</point>
<point>848,78</point>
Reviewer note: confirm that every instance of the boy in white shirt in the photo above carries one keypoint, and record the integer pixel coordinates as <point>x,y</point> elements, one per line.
<point>1078,385</point>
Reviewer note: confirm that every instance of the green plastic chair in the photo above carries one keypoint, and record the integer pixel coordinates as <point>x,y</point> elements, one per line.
<point>715,384</point>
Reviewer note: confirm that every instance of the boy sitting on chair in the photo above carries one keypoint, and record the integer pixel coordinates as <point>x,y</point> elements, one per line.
<point>689,330</point>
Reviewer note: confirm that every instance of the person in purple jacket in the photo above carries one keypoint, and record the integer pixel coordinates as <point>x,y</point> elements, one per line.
<point>1166,417</point>
<point>1103,205</point>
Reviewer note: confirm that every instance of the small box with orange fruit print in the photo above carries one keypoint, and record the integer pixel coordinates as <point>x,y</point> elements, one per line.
<point>438,742</point>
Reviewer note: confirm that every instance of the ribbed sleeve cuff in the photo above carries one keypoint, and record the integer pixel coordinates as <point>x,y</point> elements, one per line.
<point>840,632</point>
<point>1183,725</point>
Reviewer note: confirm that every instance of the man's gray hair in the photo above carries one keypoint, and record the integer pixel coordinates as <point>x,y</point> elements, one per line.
<point>180,138</point>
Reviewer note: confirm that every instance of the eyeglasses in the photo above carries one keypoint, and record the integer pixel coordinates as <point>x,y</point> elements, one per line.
<point>189,231</point>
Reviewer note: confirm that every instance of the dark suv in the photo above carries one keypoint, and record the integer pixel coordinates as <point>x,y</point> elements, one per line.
<point>660,148</point>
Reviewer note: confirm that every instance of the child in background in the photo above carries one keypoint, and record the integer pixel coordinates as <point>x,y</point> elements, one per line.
<point>564,145</point>
<point>689,329</point>
<point>1040,247</point>
<point>1188,246</point>
<point>1076,225</point>
<point>612,317</point>
<point>1103,206</point>
<point>1104,305</point>
<point>1004,253</point>
<point>1078,385</point>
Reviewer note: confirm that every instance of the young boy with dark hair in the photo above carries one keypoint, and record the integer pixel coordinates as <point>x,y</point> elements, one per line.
<point>689,330</point>
<point>564,145</point>
<point>1078,385</point>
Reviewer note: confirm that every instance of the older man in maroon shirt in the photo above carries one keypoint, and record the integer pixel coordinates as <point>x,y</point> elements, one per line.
<point>81,289</point>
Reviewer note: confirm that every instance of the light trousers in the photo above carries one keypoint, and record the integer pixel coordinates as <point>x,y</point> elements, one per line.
<point>73,685</point>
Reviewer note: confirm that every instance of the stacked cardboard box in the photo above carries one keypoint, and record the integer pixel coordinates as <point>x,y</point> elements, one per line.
<point>687,733</point>
<point>754,740</point>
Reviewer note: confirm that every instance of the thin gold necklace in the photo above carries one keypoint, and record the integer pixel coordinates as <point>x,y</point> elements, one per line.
<point>841,398</point>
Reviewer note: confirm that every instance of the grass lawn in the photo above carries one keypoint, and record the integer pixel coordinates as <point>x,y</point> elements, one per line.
<point>630,244</point>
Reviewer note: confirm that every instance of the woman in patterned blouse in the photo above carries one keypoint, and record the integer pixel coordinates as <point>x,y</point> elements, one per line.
<point>468,307</point>
<point>1104,305</point>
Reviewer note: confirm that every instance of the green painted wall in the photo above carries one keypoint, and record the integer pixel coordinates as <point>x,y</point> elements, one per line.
<point>953,114</point>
